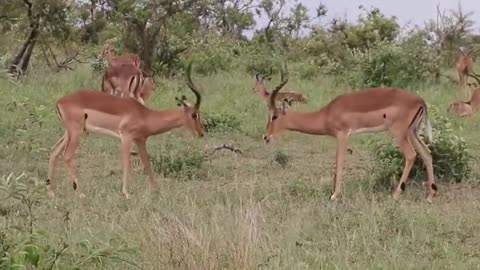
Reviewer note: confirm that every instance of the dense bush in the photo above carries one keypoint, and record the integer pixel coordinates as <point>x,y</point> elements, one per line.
<point>386,64</point>
<point>450,153</point>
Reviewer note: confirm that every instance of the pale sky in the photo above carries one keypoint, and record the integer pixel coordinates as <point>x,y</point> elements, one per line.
<point>406,11</point>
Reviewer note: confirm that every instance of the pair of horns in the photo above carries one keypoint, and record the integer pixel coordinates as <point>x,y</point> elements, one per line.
<point>284,80</point>
<point>192,87</point>
<point>265,75</point>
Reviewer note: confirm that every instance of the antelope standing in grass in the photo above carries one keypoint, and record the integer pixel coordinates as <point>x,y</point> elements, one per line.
<point>365,111</point>
<point>123,118</point>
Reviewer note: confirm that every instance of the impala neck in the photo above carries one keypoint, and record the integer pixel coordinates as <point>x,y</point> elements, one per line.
<point>307,122</point>
<point>162,121</point>
<point>263,91</point>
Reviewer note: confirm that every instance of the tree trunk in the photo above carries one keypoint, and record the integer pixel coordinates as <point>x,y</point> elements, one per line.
<point>27,56</point>
<point>27,47</point>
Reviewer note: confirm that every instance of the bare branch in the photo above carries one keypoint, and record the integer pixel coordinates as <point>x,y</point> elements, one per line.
<point>230,147</point>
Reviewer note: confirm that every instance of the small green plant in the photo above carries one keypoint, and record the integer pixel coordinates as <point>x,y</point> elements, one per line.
<point>281,158</point>
<point>451,158</point>
<point>179,164</point>
<point>221,122</point>
<point>98,63</point>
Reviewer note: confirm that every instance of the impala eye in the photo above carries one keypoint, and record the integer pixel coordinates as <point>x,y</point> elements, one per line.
<point>194,116</point>
<point>274,117</point>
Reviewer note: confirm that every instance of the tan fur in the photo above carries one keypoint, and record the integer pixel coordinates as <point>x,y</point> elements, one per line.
<point>126,58</point>
<point>124,118</point>
<point>291,96</point>
<point>467,108</point>
<point>365,111</point>
<point>464,66</point>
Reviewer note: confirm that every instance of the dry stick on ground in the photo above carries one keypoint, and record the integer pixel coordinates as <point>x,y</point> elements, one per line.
<point>230,147</point>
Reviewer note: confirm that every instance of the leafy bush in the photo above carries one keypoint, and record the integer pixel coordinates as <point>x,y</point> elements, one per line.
<point>221,122</point>
<point>186,163</point>
<point>386,64</point>
<point>451,158</point>
<point>98,63</point>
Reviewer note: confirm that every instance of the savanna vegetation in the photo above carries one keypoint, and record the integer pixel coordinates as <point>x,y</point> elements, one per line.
<point>263,206</point>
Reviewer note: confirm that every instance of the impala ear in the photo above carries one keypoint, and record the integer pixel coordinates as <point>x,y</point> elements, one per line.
<point>179,101</point>
<point>285,104</point>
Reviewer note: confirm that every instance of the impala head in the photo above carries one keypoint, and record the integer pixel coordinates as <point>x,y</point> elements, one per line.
<point>107,51</point>
<point>276,115</point>
<point>261,80</point>
<point>191,113</point>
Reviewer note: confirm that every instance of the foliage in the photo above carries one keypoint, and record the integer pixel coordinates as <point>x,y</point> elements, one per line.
<point>183,164</point>
<point>452,159</point>
<point>215,122</point>
<point>23,246</point>
<point>387,64</point>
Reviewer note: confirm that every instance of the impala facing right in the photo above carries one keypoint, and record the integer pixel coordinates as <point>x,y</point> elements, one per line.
<point>364,111</point>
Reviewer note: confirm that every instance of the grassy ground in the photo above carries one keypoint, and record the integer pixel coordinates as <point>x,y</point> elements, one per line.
<point>237,212</point>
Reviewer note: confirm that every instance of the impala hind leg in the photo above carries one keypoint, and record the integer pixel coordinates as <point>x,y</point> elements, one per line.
<point>342,142</point>
<point>427,161</point>
<point>409,154</point>
<point>55,152</point>
<point>73,140</point>
<point>152,184</point>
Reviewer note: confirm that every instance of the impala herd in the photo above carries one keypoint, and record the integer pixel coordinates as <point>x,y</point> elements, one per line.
<point>119,110</point>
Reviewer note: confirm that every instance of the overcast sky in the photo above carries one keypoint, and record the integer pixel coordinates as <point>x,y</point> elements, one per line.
<point>406,11</point>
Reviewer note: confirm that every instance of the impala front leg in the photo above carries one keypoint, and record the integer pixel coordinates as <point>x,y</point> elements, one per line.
<point>146,163</point>
<point>337,180</point>
<point>125,156</point>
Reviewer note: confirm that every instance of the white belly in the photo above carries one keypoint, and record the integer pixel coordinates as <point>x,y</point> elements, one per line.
<point>100,130</point>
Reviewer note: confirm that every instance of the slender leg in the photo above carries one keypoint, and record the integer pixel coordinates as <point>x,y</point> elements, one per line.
<point>73,140</point>
<point>409,154</point>
<point>56,150</point>
<point>146,163</point>
<point>125,156</point>
<point>341,148</point>
<point>427,161</point>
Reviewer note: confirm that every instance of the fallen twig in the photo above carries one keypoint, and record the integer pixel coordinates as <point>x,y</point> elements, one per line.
<point>230,147</point>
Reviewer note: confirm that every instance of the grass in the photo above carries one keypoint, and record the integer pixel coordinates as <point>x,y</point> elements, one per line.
<point>240,212</point>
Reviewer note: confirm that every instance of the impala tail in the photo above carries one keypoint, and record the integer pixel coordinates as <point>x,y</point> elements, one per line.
<point>428,126</point>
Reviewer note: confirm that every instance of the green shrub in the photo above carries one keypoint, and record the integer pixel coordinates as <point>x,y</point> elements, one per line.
<point>98,63</point>
<point>385,63</point>
<point>221,122</point>
<point>186,163</point>
<point>451,158</point>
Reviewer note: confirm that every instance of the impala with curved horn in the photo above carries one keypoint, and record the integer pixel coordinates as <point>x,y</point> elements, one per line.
<point>290,96</point>
<point>464,65</point>
<point>365,111</point>
<point>467,108</point>
<point>124,118</point>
